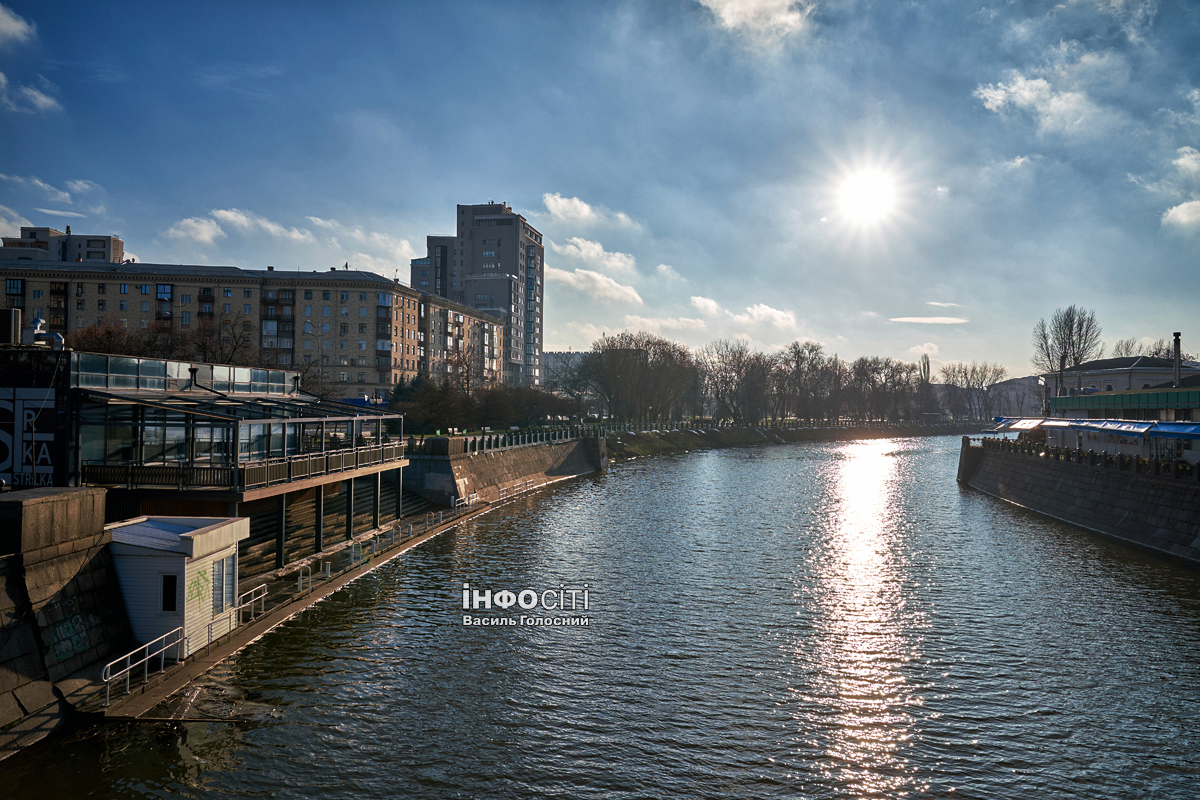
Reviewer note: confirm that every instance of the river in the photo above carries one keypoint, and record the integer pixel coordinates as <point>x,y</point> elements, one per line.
<point>814,620</point>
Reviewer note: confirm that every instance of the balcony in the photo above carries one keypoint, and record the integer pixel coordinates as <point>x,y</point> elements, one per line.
<point>246,475</point>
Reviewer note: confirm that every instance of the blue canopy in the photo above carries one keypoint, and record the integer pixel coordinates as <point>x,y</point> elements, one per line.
<point>1115,426</point>
<point>1176,430</point>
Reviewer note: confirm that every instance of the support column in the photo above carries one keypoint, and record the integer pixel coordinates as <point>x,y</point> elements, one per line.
<point>375,510</point>
<point>350,509</point>
<point>319,508</point>
<point>281,533</point>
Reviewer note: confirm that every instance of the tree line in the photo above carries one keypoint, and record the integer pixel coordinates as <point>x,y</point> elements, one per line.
<point>642,377</point>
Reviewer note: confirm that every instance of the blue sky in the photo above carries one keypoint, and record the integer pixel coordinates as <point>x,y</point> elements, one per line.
<point>690,163</point>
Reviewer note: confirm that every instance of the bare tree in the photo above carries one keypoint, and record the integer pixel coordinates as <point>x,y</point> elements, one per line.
<point>1073,334</point>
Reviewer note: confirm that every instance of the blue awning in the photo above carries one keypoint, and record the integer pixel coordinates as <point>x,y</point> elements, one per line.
<point>1115,426</point>
<point>1176,430</point>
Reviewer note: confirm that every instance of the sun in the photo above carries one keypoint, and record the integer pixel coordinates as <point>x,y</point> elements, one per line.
<point>867,196</point>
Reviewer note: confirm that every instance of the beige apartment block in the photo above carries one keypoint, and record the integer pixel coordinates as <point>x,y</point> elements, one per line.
<point>357,328</point>
<point>48,244</point>
<point>460,345</point>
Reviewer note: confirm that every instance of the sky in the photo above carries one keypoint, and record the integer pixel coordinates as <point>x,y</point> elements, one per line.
<point>885,178</point>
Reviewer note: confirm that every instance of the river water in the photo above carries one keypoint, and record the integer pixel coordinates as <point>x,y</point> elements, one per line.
<point>813,620</point>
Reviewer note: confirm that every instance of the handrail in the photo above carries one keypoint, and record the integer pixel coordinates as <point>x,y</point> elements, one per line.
<point>256,595</point>
<point>300,578</point>
<point>108,677</point>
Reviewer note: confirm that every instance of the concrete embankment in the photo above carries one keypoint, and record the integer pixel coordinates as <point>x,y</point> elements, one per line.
<point>634,444</point>
<point>1158,512</point>
<point>492,475</point>
<point>61,610</point>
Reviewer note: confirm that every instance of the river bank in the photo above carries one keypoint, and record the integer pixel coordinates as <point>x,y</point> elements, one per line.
<point>636,444</point>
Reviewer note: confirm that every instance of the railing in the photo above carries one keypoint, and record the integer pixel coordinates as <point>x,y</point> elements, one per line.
<point>1176,469</point>
<point>300,578</point>
<point>164,643</point>
<point>247,600</point>
<point>249,475</point>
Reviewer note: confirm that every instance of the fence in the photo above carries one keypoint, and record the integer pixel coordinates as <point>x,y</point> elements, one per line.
<point>1176,469</point>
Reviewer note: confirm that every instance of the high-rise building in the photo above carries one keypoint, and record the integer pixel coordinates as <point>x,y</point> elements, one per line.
<point>494,263</point>
<point>48,244</point>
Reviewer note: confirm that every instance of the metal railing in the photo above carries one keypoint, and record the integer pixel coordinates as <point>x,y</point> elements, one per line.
<point>1175,469</point>
<point>300,578</point>
<point>163,643</point>
<point>248,475</point>
<point>248,599</point>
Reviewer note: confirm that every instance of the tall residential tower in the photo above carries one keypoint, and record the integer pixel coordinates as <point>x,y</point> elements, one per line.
<point>494,263</point>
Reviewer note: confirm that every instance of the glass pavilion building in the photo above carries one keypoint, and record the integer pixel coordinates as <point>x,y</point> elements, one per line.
<point>179,438</point>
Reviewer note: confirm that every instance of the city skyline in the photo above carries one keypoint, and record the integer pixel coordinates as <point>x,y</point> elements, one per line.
<point>886,181</point>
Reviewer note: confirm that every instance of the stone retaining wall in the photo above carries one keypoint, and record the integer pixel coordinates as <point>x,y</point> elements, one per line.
<point>1156,512</point>
<point>489,474</point>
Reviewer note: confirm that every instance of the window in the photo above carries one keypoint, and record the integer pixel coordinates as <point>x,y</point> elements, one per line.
<point>341,345</point>
<point>144,288</point>
<point>124,288</point>
<point>345,297</point>
<point>169,597</point>
<point>247,293</point>
<point>324,327</point>
<point>224,585</point>
<point>362,311</point>
<point>362,344</point>
<point>100,305</point>
<point>308,294</point>
<point>345,328</point>
<point>324,361</point>
<point>80,304</point>
<point>229,292</point>
<point>145,323</point>
<point>285,343</point>
<point>246,326</point>
<point>362,327</point>
<point>362,377</point>
<point>324,344</point>
<point>270,327</point>
<point>270,294</point>
<point>308,344</point>
<point>37,294</point>
<point>246,308</point>
<point>345,311</point>
<point>308,327</point>
<point>164,291</point>
<point>185,317</point>
<point>226,308</point>
<point>344,376</point>
<point>325,310</point>
<point>362,297</point>
<point>184,299</point>
<point>124,305</point>
<point>325,294</point>
<point>145,306</point>
<point>308,310</point>
<point>100,287</point>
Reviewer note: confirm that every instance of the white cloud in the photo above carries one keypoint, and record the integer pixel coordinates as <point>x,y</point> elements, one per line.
<point>929,348</point>
<point>1188,161</point>
<point>53,194</point>
<point>942,305</point>
<point>198,229</point>
<point>1185,216</point>
<point>56,213</point>
<point>594,254</point>
<point>766,20</point>
<point>14,28</point>
<point>246,221</point>
<point>82,187</point>
<point>132,256</point>
<point>595,285</point>
<point>931,320</point>
<point>707,305</point>
<point>659,324</point>
<point>669,272</point>
<point>400,250</point>
<point>11,222</point>
<point>760,313</point>
<point>25,99</point>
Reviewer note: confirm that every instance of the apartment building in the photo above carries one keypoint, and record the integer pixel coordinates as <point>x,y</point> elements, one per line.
<point>345,326</point>
<point>494,263</point>
<point>460,344</point>
<point>48,244</point>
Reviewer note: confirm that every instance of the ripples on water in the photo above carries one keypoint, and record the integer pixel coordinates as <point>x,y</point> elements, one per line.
<point>811,620</point>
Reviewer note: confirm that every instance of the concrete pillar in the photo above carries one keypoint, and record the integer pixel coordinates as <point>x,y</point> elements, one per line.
<point>375,510</point>
<point>350,508</point>
<point>281,533</point>
<point>319,508</point>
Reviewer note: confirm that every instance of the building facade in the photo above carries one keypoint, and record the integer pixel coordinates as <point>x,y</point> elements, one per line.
<point>460,344</point>
<point>48,244</point>
<point>495,263</point>
<point>355,329</point>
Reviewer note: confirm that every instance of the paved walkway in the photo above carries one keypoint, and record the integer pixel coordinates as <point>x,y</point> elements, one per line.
<point>161,698</point>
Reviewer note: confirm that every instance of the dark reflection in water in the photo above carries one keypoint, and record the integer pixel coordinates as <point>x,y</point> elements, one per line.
<point>812,620</point>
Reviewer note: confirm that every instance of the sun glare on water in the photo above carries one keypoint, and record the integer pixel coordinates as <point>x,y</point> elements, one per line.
<point>867,196</point>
